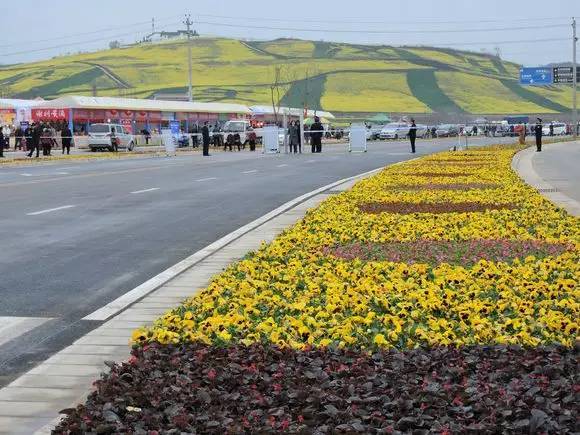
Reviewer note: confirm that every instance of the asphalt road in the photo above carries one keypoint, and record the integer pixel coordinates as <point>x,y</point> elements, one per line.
<point>77,236</point>
<point>559,165</point>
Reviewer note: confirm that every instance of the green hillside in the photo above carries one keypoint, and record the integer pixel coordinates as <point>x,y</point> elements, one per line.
<point>324,75</point>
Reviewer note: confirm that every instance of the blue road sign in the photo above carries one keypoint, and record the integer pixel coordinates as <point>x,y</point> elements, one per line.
<point>536,76</point>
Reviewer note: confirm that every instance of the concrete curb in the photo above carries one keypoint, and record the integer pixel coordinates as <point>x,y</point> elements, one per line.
<point>522,164</point>
<point>32,402</point>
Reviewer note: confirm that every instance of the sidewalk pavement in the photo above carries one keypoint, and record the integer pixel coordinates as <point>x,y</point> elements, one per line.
<point>32,402</point>
<point>553,172</point>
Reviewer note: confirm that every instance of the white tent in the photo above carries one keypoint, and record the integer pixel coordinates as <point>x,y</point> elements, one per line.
<point>134,104</point>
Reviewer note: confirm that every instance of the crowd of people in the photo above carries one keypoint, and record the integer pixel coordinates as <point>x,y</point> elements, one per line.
<point>37,136</point>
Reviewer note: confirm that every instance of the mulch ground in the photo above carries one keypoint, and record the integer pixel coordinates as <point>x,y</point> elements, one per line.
<point>448,186</point>
<point>246,390</point>
<point>425,207</point>
<point>441,174</point>
<point>434,252</point>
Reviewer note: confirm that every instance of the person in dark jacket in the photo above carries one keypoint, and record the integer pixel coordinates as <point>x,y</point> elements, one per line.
<point>2,143</point>
<point>413,135</point>
<point>18,135</point>
<point>317,131</point>
<point>35,133</point>
<point>538,130</point>
<point>66,139</point>
<point>205,138</point>
<point>551,129</point>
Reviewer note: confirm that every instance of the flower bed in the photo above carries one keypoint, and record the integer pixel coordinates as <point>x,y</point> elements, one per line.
<point>294,295</point>
<point>460,253</point>
<point>449,186</point>
<point>206,389</point>
<point>425,207</point>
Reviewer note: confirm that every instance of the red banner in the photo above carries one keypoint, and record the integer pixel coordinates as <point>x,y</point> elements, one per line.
<point>141,116</point>
<point>49,114</point>
<point>155,117</point>
<point>112,114</point>
<point>126,114</point>
<point>84,115</point>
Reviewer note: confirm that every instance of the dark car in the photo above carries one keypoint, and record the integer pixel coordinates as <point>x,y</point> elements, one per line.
<point>447,130</point>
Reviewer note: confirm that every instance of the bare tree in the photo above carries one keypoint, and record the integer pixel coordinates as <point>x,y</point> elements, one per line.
<point>283,77</point>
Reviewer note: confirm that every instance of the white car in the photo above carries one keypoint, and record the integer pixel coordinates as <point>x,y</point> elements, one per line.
<point>100,137</point>
<point>559,129</point>
<point>395,130</point>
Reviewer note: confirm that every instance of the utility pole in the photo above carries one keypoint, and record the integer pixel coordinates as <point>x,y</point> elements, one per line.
<point>574,80</point>
<point>189,23</point>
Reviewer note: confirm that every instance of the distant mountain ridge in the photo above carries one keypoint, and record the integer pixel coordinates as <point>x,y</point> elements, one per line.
<point>338,77</point>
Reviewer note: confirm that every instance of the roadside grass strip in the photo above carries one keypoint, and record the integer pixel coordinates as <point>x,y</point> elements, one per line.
<point>455,321</point>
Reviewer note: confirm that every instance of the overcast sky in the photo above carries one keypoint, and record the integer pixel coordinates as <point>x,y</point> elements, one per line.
<point>39,29</point>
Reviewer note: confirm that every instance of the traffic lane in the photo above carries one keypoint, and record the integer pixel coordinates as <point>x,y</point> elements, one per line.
<point>558,165</point>
<point>74,283</point>
<point>32,194</point>
<point>106,249</point>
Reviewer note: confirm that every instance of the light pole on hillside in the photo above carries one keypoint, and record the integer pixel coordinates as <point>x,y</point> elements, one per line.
<point>189,23</point>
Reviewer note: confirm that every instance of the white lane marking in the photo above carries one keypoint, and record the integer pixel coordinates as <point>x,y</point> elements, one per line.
<point>128,299</point>
<point>12,327</point>
<point>253,171</point>
<point>206,179</point>
<point>50,210</point>
<point>153,189</point>
<point>27,175</point>
<point>310,161</point>
<point>281,166</point>
<point>62,173</point>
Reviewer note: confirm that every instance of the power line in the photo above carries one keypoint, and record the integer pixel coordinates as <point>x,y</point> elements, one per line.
<point>90,41</point>
<point>382,32</point>
<point>383,22</point>
<point>74,35</point>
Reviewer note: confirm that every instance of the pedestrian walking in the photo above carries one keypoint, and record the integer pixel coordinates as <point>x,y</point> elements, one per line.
<point>205,138</point>
<point>252,139</point>
<point>114,140</point>
<point>413,135</point>
<point>66,139</point>
<point>46,141</point>
<point>293,136</point>
<point>35,131</point>
<point>2,143</point>
<point>218,139</point>
<point>18,135</point>
<point>316,133</point>
<point>538,130</point>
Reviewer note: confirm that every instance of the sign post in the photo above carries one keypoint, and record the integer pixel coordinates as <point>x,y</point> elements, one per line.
<point>540,76</point>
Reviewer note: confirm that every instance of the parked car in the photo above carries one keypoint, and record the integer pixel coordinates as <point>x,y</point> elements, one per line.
<point>100,137</point>
<point>395,130</point>
<point>559,129</point>
<point>447,130</point>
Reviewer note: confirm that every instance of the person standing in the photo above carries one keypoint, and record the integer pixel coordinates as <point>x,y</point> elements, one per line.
<point>66,139</point>
<point>1,144</point>
<point>205,138</point>
<point>114,140</point>
<point>293,137</point>
<point>18,134</point>
<point>299,132</point>
<point>538,130</point>
<point>413,135</point>
<point>551,129</point>
<point>316,133</point>
<point>35,132</point>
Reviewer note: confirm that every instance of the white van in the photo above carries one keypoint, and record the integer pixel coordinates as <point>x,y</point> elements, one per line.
<point>100,137</point>
<point>559,129</point>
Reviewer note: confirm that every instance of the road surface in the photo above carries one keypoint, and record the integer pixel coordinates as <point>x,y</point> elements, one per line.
<point>76,236</point>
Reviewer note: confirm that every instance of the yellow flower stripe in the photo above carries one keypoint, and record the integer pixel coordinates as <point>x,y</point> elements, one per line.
<point>289,294</point>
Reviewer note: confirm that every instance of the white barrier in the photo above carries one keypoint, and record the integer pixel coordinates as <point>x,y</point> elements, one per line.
<point>358,138</point>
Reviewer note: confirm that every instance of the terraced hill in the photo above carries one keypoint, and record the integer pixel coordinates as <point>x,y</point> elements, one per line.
<point>332,76</point>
